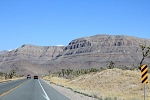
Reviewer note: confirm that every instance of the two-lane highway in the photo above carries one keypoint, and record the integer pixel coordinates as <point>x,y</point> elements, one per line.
<point>29,89</point>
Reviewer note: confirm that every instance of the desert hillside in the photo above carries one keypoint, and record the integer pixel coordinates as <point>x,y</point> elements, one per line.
<point>82,53</point>
<point>110,83</point>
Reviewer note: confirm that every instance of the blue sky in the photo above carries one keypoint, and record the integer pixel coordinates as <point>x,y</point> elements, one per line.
<point>55,22</point>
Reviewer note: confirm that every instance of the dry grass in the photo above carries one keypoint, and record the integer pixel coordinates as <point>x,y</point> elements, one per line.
<point>2,79</point>
<point>123,84</point>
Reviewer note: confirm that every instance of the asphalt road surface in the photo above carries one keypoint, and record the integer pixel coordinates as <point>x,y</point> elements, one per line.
<point>29,89</point>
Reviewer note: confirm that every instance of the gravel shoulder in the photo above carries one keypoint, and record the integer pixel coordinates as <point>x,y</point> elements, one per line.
<point>3,80</point>
<point>70,94</point>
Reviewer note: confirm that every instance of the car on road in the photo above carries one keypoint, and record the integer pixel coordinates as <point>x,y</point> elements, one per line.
<point>35,77</point>
<point>28,76</point>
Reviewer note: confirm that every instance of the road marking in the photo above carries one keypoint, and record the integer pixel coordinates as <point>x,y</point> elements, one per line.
<point>11,89</point>
<point>45,96</point>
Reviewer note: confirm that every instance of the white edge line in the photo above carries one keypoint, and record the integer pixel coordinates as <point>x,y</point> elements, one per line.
<point>46,96</point>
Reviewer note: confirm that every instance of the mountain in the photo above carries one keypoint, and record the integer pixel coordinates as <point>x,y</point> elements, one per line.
<point>97,51</point>
<point>87,52</point>
<point>28,58</point>
<point>4,52</point>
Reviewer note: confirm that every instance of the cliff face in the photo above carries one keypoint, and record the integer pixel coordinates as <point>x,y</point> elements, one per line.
<point>95,51</point>
<point>105,44</point>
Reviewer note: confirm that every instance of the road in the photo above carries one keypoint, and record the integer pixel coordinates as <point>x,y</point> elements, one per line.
<point>29,89</point>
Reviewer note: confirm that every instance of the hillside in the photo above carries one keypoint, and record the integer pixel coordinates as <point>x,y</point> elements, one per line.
<point>87,52</point>
<point>28,59</point>
<point>97,51</point>
<point>110,83</point>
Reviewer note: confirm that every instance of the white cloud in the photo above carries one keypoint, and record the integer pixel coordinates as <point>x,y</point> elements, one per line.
<point>59,45</point>
<point>12,49</point>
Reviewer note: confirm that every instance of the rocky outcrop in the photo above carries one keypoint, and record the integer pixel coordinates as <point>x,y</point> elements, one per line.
<point>77,44</point>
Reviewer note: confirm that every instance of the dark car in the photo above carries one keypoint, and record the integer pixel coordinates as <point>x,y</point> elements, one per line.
<point>35,77</point>
<point>29,76</point>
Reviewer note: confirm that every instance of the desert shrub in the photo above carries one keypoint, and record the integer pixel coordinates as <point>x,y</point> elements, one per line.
<point>2,74</point>
<point>111,65</point>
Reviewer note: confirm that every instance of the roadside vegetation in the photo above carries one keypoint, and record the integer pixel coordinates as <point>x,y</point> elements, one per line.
<point>8,76</point>
<point>110,83</point>
<point>106,84</point>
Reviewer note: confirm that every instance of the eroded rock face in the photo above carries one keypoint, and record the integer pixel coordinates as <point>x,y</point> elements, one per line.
<point>105,44</point>
<point>77,44</point>
<point>87,52</point>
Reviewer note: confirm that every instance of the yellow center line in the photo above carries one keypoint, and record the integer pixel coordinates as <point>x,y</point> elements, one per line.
<point>12,89</point>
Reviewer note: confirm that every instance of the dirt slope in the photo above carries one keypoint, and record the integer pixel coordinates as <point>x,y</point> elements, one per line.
<point>123,84</point>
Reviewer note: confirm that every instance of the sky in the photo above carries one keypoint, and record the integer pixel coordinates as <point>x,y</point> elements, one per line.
<point>58,22</point>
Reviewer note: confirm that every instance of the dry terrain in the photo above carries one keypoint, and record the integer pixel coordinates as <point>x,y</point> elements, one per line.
<point>81,53</point>
<point>114,83</point>
<point>2,79</point>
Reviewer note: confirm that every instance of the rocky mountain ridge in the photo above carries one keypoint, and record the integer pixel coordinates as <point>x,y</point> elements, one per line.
<point>87,52</point>
<point>97,51</point>
<point>98,42</point>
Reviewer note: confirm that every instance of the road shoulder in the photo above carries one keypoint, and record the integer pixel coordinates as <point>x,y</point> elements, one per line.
<point>68,93</point>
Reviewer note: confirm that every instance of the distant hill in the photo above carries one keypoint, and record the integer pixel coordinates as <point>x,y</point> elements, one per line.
<point>87,52</point>
<point>28,59</point>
